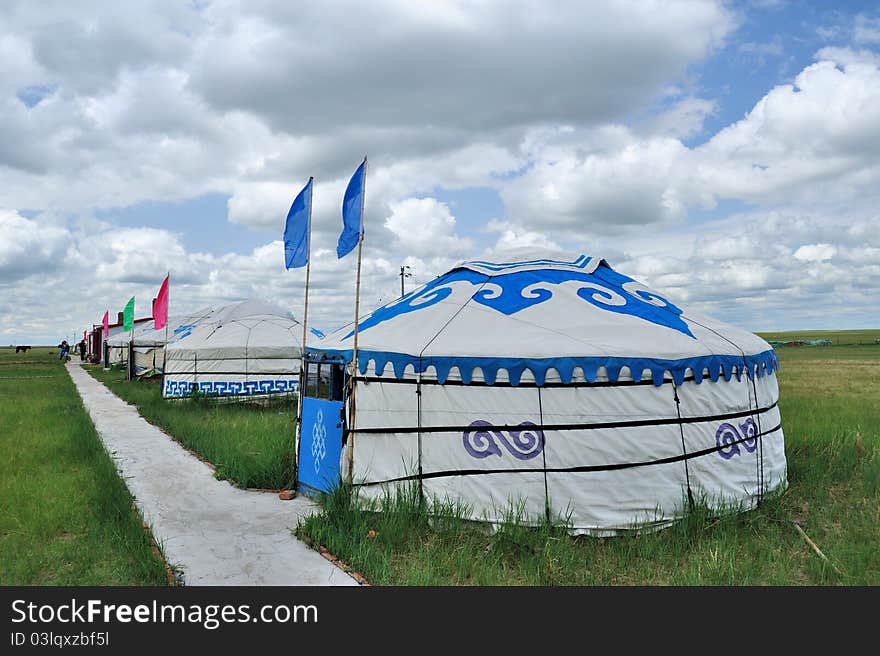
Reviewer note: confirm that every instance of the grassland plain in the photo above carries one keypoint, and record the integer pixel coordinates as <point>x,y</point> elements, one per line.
<point>830,405</point>
<point>66,518</point>
<point>838,337</point>
<point>249,445</point>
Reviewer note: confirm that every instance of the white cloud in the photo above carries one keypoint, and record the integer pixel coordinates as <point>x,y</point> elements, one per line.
<point>866,30</point>
<point>424,225</point>
<point>28,247</point>
<point>475,66</point>
<point>511,236</point>
<point>815,252</point>
<point>754,270</point>
<point>812,142</point>
<point>685,118</point>
<point>606,182</point>
<point>770,48</point>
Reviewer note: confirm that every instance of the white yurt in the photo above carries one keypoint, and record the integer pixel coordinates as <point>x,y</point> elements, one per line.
<point>250,348</point>
<point>564,388</point>
<point>117,347</point>
<point>118,342</point>
<point>149,343</point>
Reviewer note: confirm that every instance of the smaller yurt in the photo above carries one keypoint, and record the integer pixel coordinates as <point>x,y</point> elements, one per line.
<point>117,345</point>
<point>149,343</point>
<point>246,349</point>
<point>557,386</point>
<point>119,339</point>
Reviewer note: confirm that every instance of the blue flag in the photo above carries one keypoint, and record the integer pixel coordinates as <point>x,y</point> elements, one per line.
<point>296,229</point>
<point>352,212</point>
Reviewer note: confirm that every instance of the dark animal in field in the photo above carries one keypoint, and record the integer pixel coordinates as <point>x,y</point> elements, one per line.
<point>23,349</point>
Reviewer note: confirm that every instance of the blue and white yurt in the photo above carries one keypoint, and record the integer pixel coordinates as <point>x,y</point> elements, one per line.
<point>562,387</point>
<point>245,349</point>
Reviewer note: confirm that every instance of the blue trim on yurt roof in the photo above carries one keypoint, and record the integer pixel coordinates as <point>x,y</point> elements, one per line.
<point>717,365</point>
<point>580,262</point>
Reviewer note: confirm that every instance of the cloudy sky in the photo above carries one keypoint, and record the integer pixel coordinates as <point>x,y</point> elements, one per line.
<point>725,153</point>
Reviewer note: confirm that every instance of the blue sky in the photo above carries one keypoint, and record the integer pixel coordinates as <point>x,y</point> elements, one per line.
<point>203,223</point>
<point>174,137</point>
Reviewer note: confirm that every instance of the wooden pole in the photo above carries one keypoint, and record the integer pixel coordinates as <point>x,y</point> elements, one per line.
<point>303,373</point>
<point>816,548</point>
<point>354,353</point>
<point>165,348</point>
<point>130,344</point>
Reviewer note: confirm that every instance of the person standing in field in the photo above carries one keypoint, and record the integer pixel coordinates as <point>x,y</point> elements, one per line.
<point>65,349</point>
<point>82,350</point>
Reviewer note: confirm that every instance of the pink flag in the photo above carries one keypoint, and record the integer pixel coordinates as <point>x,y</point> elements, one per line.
<point>106,324</point>
<point>84,335</point>
<point>160,306</point>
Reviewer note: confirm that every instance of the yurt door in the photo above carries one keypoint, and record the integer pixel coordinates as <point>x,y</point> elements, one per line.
<point>320,442</point>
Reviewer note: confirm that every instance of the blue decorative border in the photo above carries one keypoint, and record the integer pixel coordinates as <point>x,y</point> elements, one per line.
<point>181,388</point>
<point>758,364</point>
<point>580,262</point>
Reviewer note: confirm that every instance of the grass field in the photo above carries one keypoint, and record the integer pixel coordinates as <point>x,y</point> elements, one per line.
<point>830,405</point>
<point>66,517</point>
<point>250,445</point>
<point>839,337</point>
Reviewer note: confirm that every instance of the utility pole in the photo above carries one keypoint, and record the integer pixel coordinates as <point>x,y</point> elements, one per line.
<point>404,273</point>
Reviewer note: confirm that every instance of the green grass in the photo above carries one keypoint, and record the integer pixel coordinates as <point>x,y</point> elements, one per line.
<point>839,337</point>
<point>250,445</point>
<point>66,518</point>
<point>830,405</point>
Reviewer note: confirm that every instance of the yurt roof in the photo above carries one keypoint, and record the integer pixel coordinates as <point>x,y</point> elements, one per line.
<point>541,312</point>
<point>253,328</point>
<point>145,335</point>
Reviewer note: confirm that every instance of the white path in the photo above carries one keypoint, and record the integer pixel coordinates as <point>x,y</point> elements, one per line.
<point>215,533</point>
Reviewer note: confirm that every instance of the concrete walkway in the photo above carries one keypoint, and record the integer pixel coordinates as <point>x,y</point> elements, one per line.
<point>215,533</point>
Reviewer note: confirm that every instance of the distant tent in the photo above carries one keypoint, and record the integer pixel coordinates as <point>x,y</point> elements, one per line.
<point>561,387</point>
<point>149,344</point>
<point>117,342</point>
<point>251,348</point>
<point>802,342</point>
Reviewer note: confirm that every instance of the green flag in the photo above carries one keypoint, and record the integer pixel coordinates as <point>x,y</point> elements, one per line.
<point>128,315</point>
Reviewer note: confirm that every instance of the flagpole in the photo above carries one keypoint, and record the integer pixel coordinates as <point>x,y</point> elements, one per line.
<point>167,312</point>
<point>131,347</point>
<point>105,335</point>
<point>354,353</point>
<point>303,373</point>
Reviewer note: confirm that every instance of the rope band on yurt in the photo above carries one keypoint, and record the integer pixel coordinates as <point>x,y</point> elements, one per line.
<point>419,420</point>
<point>581,426</point>
<point>687,474</point>
<point>544,457</point>
<point>418,384</point>
<point>760,458</point>
<point>569,470</point>
<point>759,465</point>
